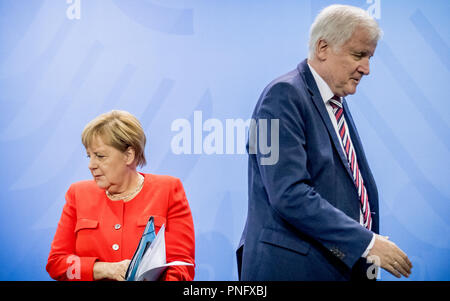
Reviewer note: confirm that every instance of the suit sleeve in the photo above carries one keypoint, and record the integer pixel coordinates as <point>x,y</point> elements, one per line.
<point>289,185</point>
<point>180,238</point>
<point>62,263</point>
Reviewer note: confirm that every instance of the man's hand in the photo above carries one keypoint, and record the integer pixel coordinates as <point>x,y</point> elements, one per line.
<point>391,258</point>
<point>111,270</point>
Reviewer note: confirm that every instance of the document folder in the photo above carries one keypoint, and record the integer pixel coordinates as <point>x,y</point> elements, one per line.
<point>149,259</point>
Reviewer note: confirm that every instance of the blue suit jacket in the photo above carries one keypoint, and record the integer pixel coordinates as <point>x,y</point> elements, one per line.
<point>303,211</point>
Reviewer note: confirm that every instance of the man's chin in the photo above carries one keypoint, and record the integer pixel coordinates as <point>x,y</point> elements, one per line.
<point>347,90</point>
<point>350,91</point>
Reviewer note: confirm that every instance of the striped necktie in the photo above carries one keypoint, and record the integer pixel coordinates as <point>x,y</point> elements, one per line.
<point>349,150</point>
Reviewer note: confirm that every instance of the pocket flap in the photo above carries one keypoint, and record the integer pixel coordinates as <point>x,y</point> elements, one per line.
<point>85,223</point>
<point>157,220</point>
<point>284,240</point>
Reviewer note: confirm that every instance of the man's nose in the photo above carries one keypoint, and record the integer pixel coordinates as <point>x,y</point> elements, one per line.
<point>364,67</point>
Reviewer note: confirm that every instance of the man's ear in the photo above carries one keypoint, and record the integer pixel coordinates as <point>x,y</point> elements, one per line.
<point>322,50</point>
<point>129,155</point>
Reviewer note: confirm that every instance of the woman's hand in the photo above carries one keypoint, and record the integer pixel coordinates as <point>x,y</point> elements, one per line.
<point>111,270</point>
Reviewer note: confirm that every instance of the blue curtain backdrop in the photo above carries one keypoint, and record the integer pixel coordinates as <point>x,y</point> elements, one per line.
<point>63,62</point>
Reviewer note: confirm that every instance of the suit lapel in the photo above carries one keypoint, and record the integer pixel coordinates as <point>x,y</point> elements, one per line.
<point>369,181</point>
<point>320,106</point>
<point>355,137</point>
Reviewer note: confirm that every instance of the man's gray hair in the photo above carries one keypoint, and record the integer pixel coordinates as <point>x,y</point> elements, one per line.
<point>336,24</point>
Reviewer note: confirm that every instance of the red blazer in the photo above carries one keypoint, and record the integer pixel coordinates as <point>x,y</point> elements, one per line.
<point>92,227</point>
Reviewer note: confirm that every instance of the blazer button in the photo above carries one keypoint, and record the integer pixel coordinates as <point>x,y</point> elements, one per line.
<point>117,226</point>
<point>115,247</point>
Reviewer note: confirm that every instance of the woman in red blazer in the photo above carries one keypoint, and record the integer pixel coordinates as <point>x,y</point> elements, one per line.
<point>103,219</point>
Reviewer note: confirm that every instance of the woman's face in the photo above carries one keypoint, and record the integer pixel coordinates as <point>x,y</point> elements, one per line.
<point>108,165</point>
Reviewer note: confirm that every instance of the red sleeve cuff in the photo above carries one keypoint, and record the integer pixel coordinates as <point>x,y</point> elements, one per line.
<point>87,268</point>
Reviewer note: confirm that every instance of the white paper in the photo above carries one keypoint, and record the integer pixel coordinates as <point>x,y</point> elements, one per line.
<point>153,262</point>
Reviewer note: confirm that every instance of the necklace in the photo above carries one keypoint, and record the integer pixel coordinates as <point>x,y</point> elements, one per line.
<point>115,197</point>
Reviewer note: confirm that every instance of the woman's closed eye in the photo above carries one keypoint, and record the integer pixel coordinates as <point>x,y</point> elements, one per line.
<point>99,156</point>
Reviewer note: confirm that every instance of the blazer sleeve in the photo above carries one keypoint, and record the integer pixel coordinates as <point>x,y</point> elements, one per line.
<point>62,263</point>
<point>179,236</point>
<point>289,185</point>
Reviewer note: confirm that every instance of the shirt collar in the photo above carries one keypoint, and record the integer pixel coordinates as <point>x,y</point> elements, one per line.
<point>324,89</point>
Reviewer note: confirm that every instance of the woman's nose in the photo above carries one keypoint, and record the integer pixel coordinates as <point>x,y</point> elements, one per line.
<point>92,164</point>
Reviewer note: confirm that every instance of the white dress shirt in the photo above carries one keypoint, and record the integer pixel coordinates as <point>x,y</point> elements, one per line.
<point>327,94</point>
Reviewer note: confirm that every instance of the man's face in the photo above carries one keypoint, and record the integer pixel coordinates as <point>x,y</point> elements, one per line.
<point>345,67</point>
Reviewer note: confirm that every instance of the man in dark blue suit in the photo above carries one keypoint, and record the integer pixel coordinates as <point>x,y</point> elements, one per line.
<point>313,212</point>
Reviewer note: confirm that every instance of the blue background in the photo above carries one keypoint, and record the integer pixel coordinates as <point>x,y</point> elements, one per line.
<point>161,60</point>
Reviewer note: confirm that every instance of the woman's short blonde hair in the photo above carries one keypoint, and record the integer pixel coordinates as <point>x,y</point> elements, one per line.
<point>118,129</point>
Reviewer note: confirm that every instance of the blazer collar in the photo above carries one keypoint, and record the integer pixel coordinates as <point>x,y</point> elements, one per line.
<point>316,97</point>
